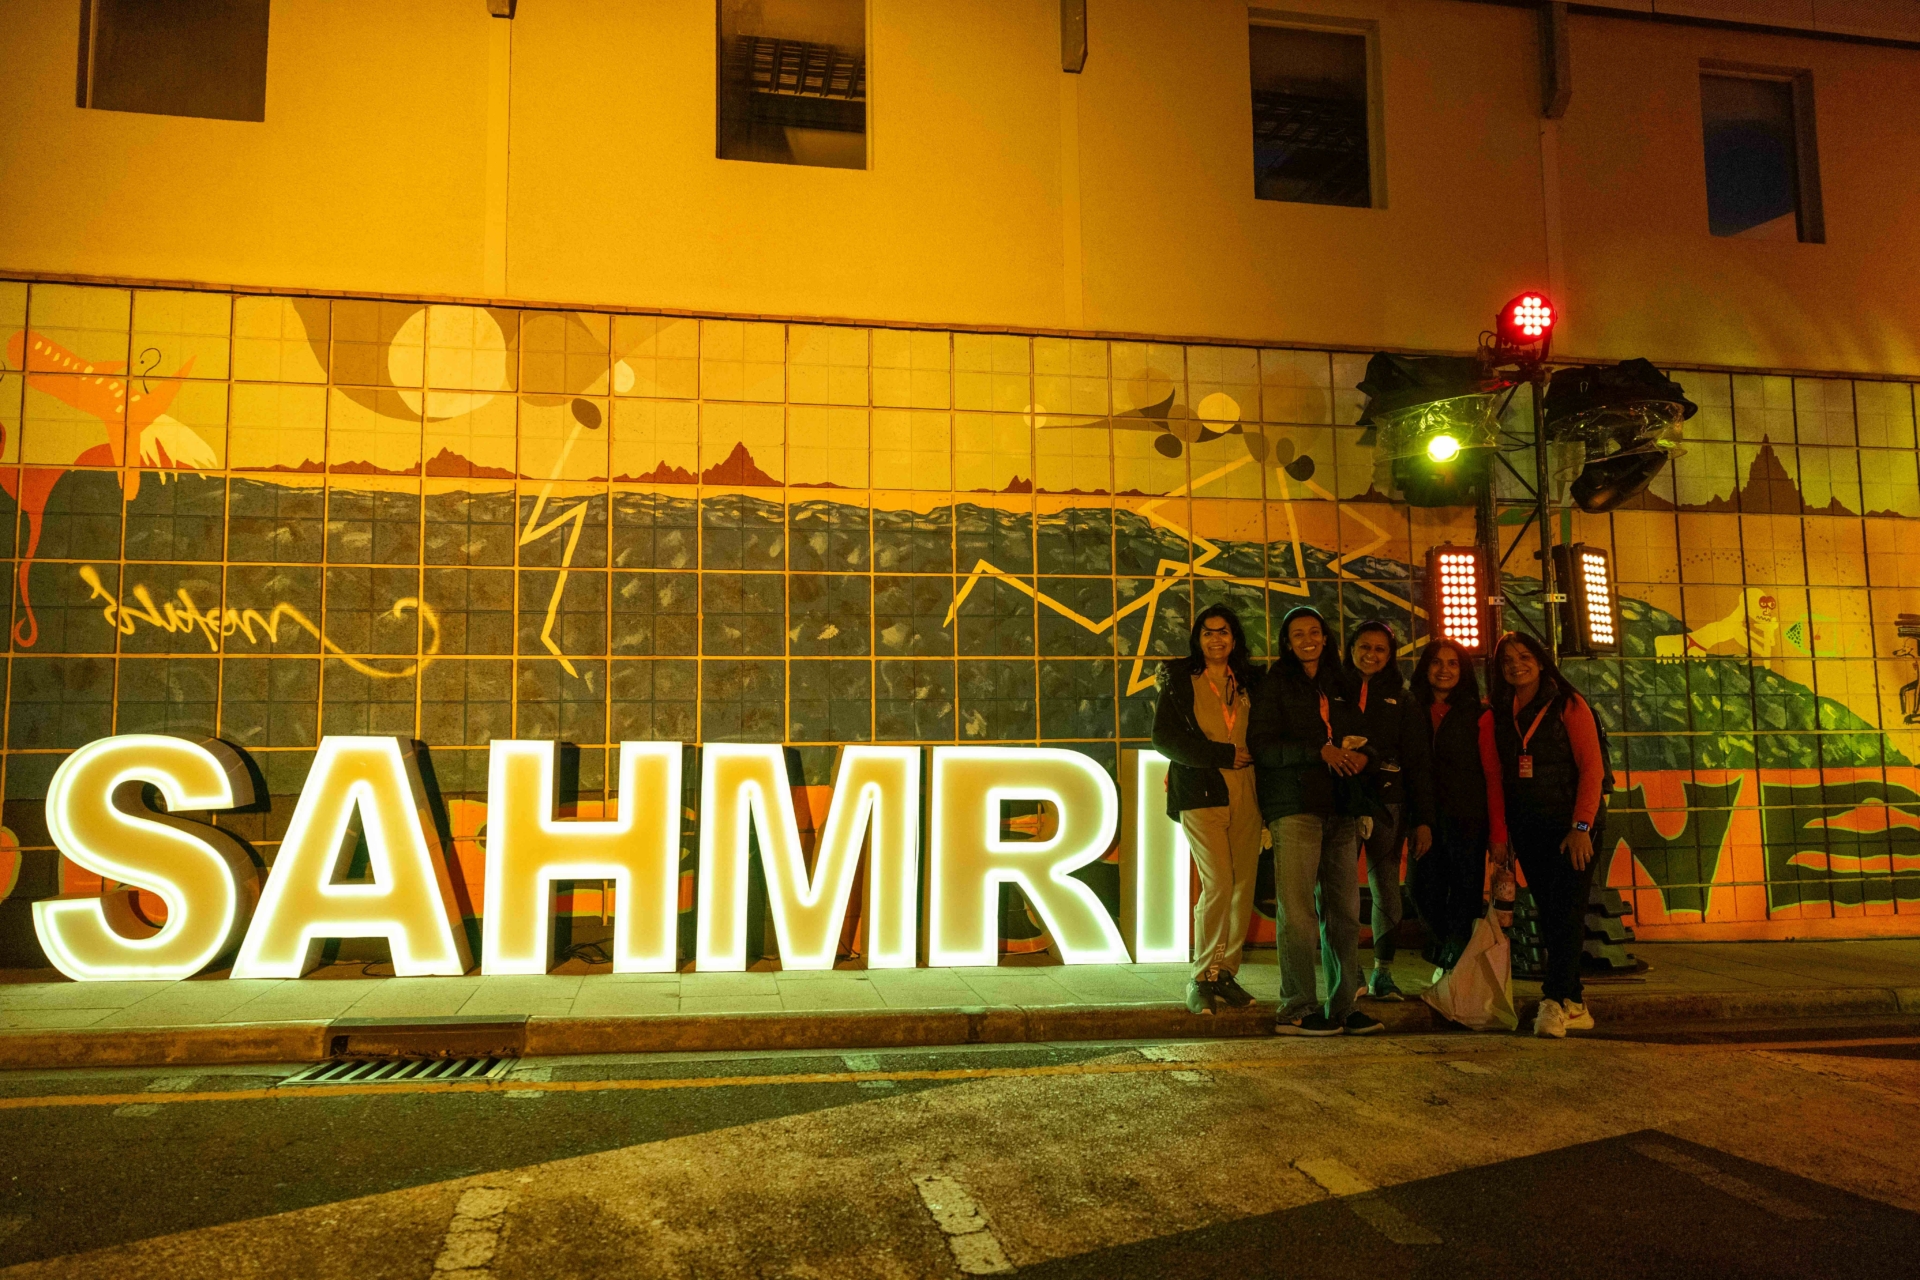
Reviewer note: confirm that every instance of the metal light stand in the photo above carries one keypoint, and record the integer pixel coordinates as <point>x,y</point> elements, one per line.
<point>1552,594</point>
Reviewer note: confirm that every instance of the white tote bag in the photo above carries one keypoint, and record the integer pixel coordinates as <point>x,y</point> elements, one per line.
<point>1478,994</point>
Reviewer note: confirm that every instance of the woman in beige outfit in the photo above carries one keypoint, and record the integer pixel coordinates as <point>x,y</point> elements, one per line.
<point>1201,727</point>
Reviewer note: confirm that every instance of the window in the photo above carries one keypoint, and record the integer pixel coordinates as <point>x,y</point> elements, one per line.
<point>1763,177</point>
<point>1312,136</point>
<point>203,58</point>
<point>793,82</point>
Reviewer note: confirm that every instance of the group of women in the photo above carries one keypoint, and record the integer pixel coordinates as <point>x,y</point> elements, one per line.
<point>1331,755</point>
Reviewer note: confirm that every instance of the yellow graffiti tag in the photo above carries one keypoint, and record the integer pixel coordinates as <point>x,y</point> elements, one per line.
<point>182,614</point>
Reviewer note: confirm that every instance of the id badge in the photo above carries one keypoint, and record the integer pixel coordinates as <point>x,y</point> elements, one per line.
<point>1526,766</point>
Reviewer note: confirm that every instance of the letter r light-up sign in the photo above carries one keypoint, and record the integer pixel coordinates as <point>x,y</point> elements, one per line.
<point>364,804</point>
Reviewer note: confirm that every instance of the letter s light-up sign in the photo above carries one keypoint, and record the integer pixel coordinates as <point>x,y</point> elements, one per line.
<point>202,875</point>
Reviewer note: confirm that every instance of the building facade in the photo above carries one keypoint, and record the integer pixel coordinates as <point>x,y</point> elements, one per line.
<point>583,375</point>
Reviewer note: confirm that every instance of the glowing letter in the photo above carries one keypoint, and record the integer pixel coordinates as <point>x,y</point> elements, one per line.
<point>410,900</point>
<point>1156,867</point>
<point>204,877</point>
<point>743,790</point>
<point>969,857</point>
<point>527,850</point>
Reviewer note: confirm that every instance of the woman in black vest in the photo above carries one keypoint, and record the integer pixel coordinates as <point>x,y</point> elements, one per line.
<point>1448,880</point>
<point>1399,790</point>
<point>1551,770</point>
<point>1201,726</point>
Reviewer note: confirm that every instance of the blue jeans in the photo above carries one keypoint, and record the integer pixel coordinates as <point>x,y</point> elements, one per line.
<point>1316,879</point>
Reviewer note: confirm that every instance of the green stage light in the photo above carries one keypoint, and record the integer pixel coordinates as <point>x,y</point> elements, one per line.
<point>1443,448</point>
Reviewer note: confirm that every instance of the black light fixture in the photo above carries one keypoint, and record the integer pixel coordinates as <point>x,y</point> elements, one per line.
<point>1457,591</point>
<point>1434,423</point>
<point>1623,419</point>
<point>1590,613</point>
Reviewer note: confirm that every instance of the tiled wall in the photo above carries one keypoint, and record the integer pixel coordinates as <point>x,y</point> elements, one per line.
<point>271,518</point>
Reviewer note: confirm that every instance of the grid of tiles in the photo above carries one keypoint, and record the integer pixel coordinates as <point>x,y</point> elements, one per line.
<point>270,518</point>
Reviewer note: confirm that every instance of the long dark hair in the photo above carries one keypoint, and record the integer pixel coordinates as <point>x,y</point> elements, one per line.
<point>1238,661</point>
<point>1391,681</point>
<point>1329,674</point>
<point>1469,686</point>
<point>1500,693</point>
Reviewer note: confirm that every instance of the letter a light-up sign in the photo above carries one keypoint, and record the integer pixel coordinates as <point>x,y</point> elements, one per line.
<point>744,791</point>
<point>528,849</point>
<point>202,875</point>
<point>410,901</point>
<point>1156,866</point>
<point>969,857</point>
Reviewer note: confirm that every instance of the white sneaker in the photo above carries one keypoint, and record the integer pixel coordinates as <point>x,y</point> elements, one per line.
<point>1578,1019</point>
<point>1551,1021</point>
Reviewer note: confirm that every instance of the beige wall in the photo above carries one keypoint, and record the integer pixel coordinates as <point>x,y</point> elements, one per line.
<point>1000,192</point>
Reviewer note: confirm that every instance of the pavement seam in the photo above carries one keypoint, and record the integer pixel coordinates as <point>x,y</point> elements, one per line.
<point>976,1250</point>
<point>1739,1188</point>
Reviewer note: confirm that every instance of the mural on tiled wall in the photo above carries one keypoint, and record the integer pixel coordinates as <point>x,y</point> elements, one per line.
<point>270,518</point>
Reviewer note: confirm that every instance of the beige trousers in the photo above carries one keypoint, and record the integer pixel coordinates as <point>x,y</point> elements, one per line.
<point>1226,852</point>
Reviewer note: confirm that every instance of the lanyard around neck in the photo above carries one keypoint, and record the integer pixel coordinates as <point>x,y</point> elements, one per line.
<point>1228,711</point>
<point>1527,737</point>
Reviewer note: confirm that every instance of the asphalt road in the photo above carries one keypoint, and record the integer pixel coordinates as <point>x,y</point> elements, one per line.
<point>1783,1151</point>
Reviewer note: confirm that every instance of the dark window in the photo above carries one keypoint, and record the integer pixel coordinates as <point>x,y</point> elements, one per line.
<point>1762,177</point>
<point>175,57</point>
<point>1311,135</point>
<point>793,82</point>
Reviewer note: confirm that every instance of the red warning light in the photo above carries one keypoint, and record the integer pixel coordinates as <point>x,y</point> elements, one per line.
<point>1526,320</point>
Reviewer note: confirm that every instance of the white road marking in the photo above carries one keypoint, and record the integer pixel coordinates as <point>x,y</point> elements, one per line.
<point>1470,1068</point>
<point>1359,1196</point>
<point>474,1234</point>
<point>172,1084</point>
<point>137,1109</point>
<point>976,1251</point>
<point>1168,1052</point>
<point>861,1061</point>
<point>1739,1188</point>
<point>1190,1077</point>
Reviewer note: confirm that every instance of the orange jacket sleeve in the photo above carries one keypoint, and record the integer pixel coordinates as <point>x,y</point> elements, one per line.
<point>1578,717</point>
<point>1496,794</point>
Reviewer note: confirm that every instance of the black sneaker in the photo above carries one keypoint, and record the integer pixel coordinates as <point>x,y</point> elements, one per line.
<point>1228,988</point>
<point>1381,986</point>
<point>1361,1024</point>
<point>1200,998</point>
<point>1312,1024</point>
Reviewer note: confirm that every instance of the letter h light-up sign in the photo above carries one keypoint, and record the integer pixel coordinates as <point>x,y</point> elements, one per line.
<point>366,795</point>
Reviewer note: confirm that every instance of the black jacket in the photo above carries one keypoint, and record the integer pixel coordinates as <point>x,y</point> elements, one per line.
<point>1285,734</point>
<point>1195,760</point>
<point>1399,739</point>
<point>1458,782</point>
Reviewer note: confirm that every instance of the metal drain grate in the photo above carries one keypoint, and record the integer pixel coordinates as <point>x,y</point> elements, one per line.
<point>399,1071</point>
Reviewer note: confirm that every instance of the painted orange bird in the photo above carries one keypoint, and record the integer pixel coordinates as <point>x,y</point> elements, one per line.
<point>128,417</point>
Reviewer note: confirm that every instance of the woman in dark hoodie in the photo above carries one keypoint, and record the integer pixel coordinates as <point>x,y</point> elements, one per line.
<point>1200,725</point>
<point>1448,880</point>
<point>1399,789</point>
<point>1306,739</point>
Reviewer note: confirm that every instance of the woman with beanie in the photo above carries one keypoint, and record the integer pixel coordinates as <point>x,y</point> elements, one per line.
<point>1551,769</point>
<point>1306,739</point>
<point>1200,725</point>
<point>1448,878</point>
<point>1399,789</point>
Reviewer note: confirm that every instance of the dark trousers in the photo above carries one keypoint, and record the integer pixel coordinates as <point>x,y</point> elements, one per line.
<point>1559,896</point>
<point>1383,878</point>
<point>1449,883</point>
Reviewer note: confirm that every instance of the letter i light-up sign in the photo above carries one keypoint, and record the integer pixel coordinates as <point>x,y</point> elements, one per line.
<point>1457,598</point>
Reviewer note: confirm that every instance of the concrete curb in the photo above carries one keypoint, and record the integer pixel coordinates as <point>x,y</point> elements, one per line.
<point>263,1042</point>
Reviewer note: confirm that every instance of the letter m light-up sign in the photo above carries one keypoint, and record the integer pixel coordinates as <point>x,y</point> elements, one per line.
<point>1457,598</point>
<point>366,802</point>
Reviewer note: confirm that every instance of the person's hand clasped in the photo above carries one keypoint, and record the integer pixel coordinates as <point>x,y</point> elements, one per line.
<point>1242,757</point>
<point>1578,847</point>
<point>1341,761</point>
<point>1422,840</point>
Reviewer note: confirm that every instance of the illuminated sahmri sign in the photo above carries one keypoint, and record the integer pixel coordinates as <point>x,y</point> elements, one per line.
<point>369,789</point>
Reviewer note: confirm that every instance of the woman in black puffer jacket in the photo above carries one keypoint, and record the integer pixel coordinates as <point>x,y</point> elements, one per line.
<point>1200,725</point>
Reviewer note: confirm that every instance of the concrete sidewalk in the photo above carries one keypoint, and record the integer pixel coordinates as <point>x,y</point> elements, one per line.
<point>60,1023</point>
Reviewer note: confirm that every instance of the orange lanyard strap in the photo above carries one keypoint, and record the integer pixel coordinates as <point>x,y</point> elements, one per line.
<point>1363,698</point>
<point>1326,717</point>
<point>1227,711</point>
<point>1527,737</point>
